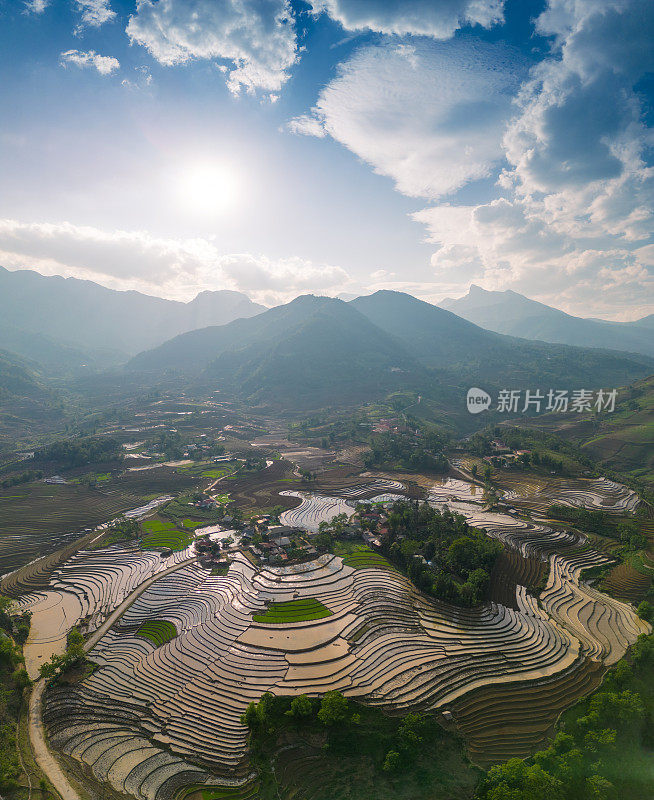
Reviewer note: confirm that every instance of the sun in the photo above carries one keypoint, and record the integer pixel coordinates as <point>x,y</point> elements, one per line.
<point>208,188</point>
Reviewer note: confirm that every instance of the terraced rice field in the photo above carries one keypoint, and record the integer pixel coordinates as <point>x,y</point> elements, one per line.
<point>89,586</point>
<point>454,489</point>
<point>36,519</point>
<point>37,574</point>
<point>360,556</point>
<point>513,720</point>
<point>259,490</point>
<point>537,494</point>
<point>154,718</point>
<point>158,716</point>
<point>161,535</point>
<point>627,583</point>
<point>511,569</point>
<point>365,490</point>
<point>293,611</point>
<point>313,510</point>
<point>157,631</point>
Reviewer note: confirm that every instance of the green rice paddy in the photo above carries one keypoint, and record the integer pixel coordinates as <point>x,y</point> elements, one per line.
<point>161,534</point>
<point>293,611</point>
<point>193,523</point>
<point>157,631</point>
<point>214,473</point>
<point>360,556</point>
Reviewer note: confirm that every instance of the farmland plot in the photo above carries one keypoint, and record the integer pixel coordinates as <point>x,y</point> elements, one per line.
<point>151,716</point>
<point>313,510</point>
<point>88,586</point>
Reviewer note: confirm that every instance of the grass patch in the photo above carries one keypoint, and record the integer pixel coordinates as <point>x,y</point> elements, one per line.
<point>193,523</point>
<point>214,473</point>
<point>157,631</point>
<point>360,556</point>
<point>160,534</point>
<point>293,611</point>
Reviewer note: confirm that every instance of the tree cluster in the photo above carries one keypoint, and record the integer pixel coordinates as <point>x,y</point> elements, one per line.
<point>268,714</point>
<point>69,453</point>
<point>73,657</point>
<point>406,451</point>
<point>574,766</point>
<point>440,552</point>
<point>13,679</point>
<point>23,477</point>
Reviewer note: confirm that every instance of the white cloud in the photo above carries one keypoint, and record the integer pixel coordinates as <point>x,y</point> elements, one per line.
<point>306,125</point>
<point>576,146</point>
<point>35,6</point>
<point>501,245</point>
<point>94,13</point>
<point>417,17</point>
<point>142,80</point>
<point>163,266</point>
<point>279,280</point>
<point>429,115</point>
<point>574,227</point>
<point>256,37</point>
<point>105,65</point>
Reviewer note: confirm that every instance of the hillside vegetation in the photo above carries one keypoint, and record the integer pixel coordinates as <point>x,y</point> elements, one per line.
<point>514,314</point>
<point>318,351</point>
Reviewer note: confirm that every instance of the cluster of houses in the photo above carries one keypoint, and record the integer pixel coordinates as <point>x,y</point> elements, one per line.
<point>284,544</point>
<point>274,544</point>
<point>503,455</point>
<point>391,425</point>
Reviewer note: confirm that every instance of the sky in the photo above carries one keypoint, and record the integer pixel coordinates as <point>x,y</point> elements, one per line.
<point>280,147</point>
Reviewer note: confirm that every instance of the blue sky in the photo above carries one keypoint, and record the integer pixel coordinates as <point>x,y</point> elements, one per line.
<point>336,147</point>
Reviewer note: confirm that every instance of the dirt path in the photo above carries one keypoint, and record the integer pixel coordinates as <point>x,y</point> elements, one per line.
<point>42,754</point>
<point>44,758</point>
<point>127,602</point>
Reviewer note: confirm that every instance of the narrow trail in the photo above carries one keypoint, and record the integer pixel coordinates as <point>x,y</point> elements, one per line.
<point>44,757</point>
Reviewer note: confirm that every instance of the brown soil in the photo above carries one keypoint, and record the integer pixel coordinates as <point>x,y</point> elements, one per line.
<point>626,583</point>
<point>512,569</point>
<point>512,720</point>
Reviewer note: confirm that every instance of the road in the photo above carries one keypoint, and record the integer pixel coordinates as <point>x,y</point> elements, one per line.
<point>44,758</point>
<point>127,602</point>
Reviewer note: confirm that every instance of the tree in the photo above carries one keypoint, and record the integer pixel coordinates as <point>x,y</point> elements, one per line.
<point>75,646</point>
<point>646,611</point>
<point>301,707</point>
<point>516,780</point>
<point>20,678</point>
<point>392,761</point>
<point>333,708</point>
<point>409,732</point>
<point>249,716</point>
<point>49,669</point>
<point>8,653</point>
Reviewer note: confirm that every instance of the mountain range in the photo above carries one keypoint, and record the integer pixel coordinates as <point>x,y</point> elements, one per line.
<point>306,354</point>
<point>318,351</point>
<point>514,314</point>
<point>65,322</point>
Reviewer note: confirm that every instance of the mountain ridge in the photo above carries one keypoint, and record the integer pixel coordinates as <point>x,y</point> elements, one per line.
<point>513,314</point>
<point>70,311</point>
<point>312,348</point>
